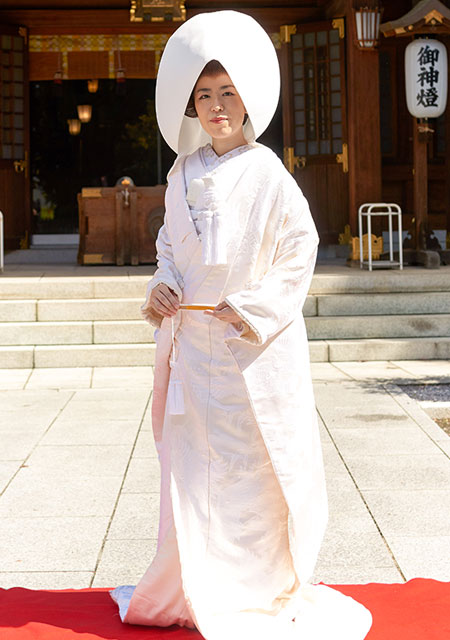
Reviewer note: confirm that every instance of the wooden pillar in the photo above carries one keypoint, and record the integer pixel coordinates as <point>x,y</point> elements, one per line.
<point>363,117</point>
<point>133,228</point>
<point>119,230</point>
<point>447,157</point>
<point>420,181</point>
<point>287,95</point>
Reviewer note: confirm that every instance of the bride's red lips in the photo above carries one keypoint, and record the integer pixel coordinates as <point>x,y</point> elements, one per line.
<point>219,119</point>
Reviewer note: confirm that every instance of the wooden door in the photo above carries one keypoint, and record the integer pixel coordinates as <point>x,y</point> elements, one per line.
<point>14,136</point>
<point>314,120</point>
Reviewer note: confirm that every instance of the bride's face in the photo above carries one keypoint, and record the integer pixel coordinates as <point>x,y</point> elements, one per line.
<point>219,106</point>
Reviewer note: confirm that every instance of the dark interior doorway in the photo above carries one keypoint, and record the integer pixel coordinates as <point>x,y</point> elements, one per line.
<point>120,139</point>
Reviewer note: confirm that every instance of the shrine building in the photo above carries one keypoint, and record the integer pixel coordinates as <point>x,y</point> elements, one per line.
<point>77,86</point>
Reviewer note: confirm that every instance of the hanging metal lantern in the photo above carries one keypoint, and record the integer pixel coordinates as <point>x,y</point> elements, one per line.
<point>426,78</point>
<point>120,75</point>
<point>74,126</point>
<point>120,72</point>
<point>84,112</point>
<point>92,85</point>
<point>367,22</point>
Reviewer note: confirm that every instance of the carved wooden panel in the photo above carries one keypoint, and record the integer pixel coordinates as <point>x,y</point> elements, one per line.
<point>120,228</point>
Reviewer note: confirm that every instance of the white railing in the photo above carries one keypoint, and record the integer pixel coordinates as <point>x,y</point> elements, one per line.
<point>1,242</point>
<point>391,210</point>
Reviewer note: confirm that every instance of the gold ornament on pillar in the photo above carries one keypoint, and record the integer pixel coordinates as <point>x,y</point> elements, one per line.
<point>157,11</point>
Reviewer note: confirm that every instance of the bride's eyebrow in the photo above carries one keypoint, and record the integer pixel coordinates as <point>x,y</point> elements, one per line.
<point>225,86</point>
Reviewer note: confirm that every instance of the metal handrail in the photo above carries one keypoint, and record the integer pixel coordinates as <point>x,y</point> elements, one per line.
<point>380,209</point>
<point>1,242</point>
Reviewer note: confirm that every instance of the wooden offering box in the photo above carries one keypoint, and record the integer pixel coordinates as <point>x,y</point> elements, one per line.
<point>119,225</point>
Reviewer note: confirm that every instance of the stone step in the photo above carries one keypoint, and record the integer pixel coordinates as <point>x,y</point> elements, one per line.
<point>342,280</point>
<point>58,287</point>
<point>139,331</point>
<point>89,355</point>
<point>111,355</point>
<point>88,309</point>
<point>18,310</point>
<point>358,327</point>
<point>327,305</point>
<point>345,280</point>
<point>75,333</point>
<point>43,255</point>
<point>388,349</point>
<point>71,310</point>
<point>362,304</point>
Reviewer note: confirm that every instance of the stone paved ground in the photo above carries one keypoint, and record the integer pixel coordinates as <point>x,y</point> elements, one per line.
<point>79,475</point>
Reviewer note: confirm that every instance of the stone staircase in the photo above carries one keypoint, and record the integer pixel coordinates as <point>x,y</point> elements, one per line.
<point>95,321</point>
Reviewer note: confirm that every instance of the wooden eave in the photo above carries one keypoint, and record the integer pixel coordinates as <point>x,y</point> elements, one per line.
<point>427,17</point>
<point>113,16</point>
<point>193,4</point>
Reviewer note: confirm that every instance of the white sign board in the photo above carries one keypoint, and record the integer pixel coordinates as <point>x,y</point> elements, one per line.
<point>426,78</point>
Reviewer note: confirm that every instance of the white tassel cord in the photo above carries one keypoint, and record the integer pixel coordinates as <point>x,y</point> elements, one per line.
<point>175,395</point>
<point>214,236</point>
<point>214,246</point>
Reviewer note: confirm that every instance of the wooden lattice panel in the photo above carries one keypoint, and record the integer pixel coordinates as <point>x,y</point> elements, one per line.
<point>137,64</point>
<point>83,65</point>
<point>12,97</point>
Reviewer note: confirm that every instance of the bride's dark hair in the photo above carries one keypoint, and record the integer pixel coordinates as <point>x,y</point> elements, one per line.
<point>213,69</point>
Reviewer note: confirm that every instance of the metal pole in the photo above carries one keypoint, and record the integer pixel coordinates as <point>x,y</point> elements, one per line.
<point>400,235</point>
<point>360,225</point>
<point>391,237</point>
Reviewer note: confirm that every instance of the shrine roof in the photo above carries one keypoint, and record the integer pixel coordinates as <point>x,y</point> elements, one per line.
<point>428,16</point>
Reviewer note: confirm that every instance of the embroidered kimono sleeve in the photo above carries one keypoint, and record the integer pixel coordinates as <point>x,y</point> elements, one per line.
<point>268,305</point>
<point>166,273</point>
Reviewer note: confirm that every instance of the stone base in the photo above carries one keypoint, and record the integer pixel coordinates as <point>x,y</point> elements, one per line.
<point>445,256</point>
<point>424,258</point>
<point>355,264</point>
<point>412,257</point>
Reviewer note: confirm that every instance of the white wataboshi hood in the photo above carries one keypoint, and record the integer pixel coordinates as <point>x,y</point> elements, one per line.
<point>244,49</point>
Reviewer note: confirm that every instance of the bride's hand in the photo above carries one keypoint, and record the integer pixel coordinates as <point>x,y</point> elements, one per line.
<point>164,301</point>
<point>225,313</point>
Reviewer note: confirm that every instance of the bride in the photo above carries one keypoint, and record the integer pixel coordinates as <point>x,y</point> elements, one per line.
<point>243,499</point>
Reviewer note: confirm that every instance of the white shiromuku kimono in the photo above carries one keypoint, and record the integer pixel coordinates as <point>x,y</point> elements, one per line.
<point>243,499</point>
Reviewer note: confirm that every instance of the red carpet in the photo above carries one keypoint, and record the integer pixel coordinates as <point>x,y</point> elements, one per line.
<point>416,610</point>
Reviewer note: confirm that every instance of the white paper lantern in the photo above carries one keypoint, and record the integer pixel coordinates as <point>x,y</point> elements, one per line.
<point>426,78</point>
